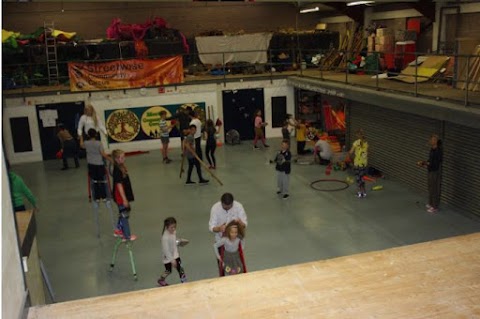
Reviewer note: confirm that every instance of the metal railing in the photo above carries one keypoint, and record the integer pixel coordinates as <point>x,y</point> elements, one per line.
<point>331,65</point>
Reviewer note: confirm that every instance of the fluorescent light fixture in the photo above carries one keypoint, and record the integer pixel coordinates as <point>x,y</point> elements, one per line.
<point>358,3</point>
<point>309,10</point>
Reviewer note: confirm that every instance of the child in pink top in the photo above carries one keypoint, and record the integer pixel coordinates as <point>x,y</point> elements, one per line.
<point>259,125</point>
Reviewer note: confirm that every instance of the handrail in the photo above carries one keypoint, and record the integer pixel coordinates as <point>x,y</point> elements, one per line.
<point>303,65</point>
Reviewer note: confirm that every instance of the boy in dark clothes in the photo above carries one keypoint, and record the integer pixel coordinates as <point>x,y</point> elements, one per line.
<point>189,148</point>
<point>283,168</point>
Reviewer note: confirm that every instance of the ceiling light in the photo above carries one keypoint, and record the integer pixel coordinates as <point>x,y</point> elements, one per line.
<point>309,10</point>
<point>358,3</point>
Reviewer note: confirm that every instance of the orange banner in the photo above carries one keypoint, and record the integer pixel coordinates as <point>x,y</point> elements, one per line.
<point>125,74</point>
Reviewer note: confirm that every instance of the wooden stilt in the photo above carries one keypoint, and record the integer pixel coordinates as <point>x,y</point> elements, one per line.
<point>182,170</point>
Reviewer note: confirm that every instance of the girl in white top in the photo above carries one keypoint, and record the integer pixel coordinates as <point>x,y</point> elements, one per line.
<point>171,256</point>
<point>88,121</point>
<point>231,256</point>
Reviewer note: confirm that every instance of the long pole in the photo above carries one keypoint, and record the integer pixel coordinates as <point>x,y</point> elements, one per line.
<point>203,163</point>
<point>181,166</point>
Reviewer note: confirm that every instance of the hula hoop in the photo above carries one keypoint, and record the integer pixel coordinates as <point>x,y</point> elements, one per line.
<point>345,185</point>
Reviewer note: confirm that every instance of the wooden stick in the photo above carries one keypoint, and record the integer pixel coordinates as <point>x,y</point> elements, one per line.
<point>471,67</point>
<point>203,163</point>
<point>473,75</point>
<point>476,85</point>
<point>181,165</point>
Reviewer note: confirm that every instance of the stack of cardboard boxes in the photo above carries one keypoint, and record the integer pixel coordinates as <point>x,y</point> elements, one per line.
<point>384,40</point>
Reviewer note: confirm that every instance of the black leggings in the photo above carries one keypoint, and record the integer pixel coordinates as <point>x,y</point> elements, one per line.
<point>210,152</point>
<point>300,147</point>
<point>168,269</point>
<point>191,163</point>
<point>360,172</point>
<point>99,181</point>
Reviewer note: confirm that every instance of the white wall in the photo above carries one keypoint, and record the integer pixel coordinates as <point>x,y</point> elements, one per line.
<point>210,94</point>
<point>14,293</point>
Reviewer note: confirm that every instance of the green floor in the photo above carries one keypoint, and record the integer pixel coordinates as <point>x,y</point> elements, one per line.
<point>310,225</point>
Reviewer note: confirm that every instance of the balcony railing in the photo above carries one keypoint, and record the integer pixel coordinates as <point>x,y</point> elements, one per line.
<point>449,82</point>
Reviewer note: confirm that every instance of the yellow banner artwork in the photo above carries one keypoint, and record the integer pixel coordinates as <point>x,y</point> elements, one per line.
<point>125,74</point>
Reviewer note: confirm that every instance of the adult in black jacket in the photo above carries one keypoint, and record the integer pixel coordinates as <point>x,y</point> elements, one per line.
<point>433,165</point>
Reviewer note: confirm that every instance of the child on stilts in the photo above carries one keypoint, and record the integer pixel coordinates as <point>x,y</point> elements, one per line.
<point>98,180</point>
<point>123,195</point>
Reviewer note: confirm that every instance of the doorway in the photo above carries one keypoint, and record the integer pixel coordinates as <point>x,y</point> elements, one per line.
<point>48,116</point>
<point>239,108</point>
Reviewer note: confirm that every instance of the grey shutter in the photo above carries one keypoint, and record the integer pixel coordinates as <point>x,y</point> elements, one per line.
<point>396,141</point>
<point>461,168</point>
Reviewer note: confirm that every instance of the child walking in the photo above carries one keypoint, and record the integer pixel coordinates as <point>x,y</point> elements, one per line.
<point>211,132</point>
<point>123,195</point>
<point>189,150</point>
<point>164,136</point>
<point>259,125</point>
<point>360,161</point>
<point>283,167</point>
<point>171,256</point>
<point>231,250</point>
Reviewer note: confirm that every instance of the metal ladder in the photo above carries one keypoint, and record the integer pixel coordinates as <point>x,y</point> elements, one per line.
<point>51,53</point>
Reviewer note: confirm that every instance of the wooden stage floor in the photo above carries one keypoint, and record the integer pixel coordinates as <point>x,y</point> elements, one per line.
<point>437,279</point>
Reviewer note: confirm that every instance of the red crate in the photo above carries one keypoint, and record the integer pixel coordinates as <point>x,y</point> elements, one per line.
<point>413,24</point>
<point>405,52</point>
<point>390,60</point>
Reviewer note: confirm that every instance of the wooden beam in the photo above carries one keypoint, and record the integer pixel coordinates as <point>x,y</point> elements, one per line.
<point>355,13</point>
<point>426,8</point>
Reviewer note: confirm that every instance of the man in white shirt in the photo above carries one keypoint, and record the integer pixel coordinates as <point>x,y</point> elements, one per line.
<point>198,134</point>
<point>223,212</point>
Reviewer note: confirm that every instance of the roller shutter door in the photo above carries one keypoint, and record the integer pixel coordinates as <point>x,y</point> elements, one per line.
<point>461,168</point>
<point>396,140</point>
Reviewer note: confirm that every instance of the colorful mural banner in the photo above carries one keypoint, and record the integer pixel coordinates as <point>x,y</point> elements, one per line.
<point>143,123</point>
<point>125,74</point>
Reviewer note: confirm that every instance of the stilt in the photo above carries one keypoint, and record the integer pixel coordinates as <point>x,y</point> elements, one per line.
<point>128,245</point>
<point>95,207</point>
<point>96,202</point>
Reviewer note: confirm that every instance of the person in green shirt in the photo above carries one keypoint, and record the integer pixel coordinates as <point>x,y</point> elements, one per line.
<point>20,190</point>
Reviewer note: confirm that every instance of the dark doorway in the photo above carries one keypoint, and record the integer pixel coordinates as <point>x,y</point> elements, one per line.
<point>279,110</point>
<point>49,115</point>
<point>22,140</point>
<point>239,108</point>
